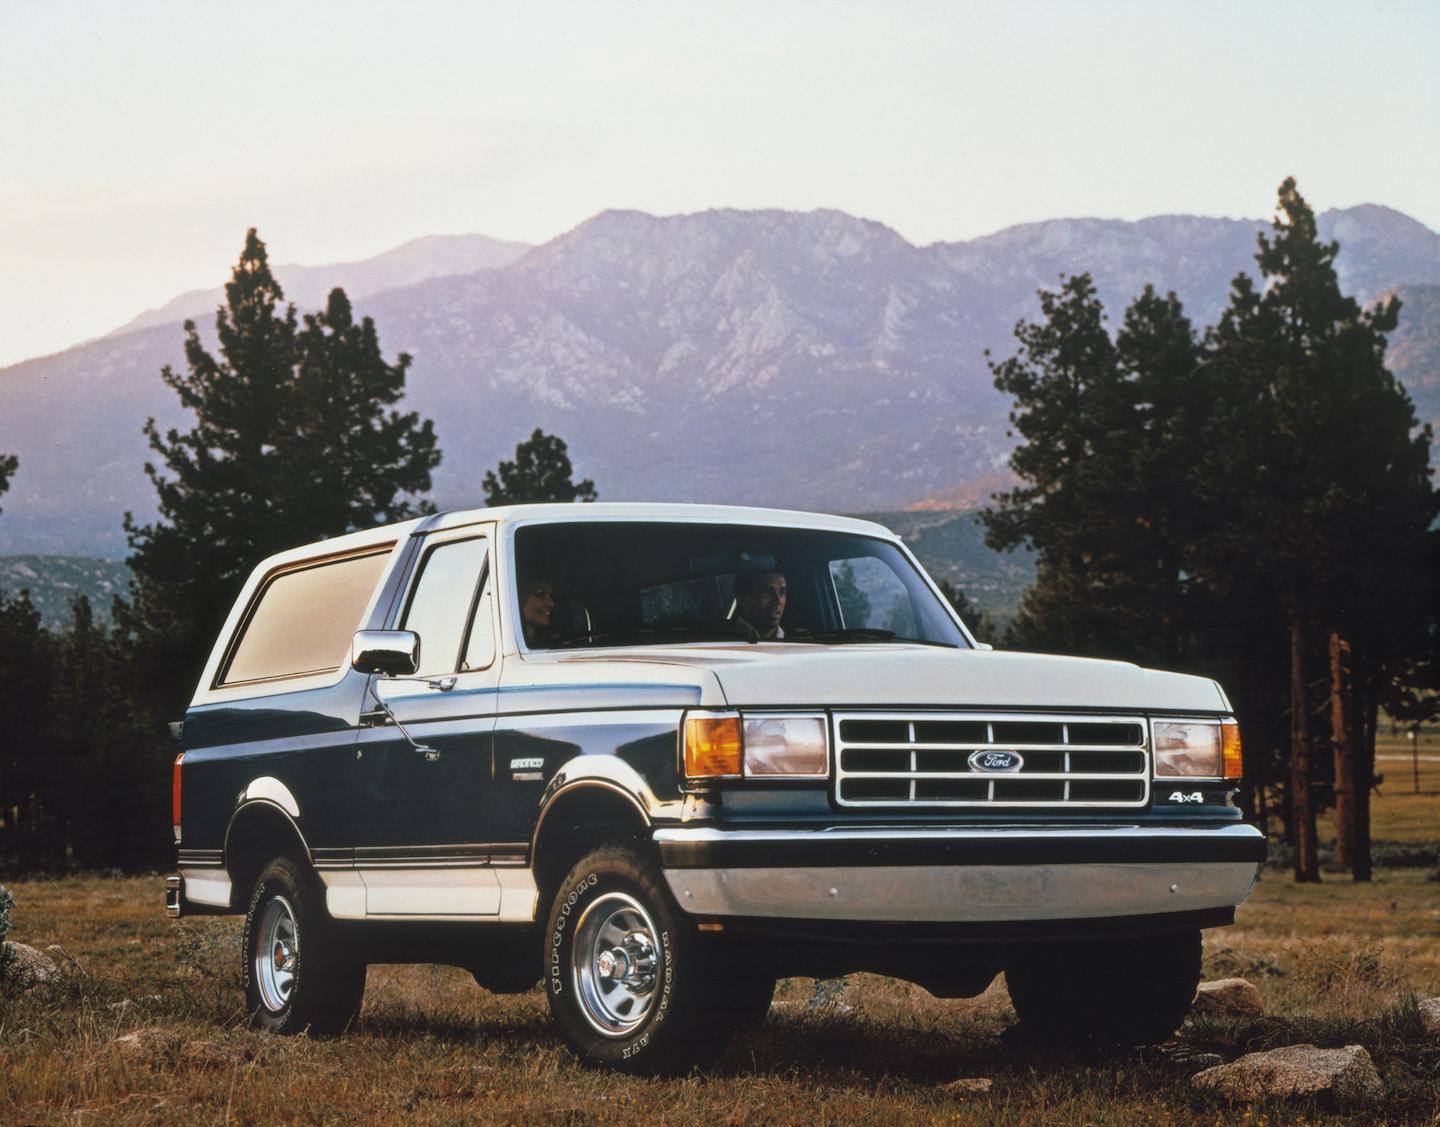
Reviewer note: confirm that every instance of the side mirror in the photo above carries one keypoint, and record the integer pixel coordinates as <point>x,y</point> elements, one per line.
<point>393,653</point>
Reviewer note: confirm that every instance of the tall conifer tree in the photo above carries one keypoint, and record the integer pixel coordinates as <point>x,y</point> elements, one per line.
<point>1225,507</point>
<point>1327,470</point>
<point>292,442</point>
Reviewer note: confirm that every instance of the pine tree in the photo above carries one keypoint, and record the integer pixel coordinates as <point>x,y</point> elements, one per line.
<point>1319,450</point>
<point>29,830</point>
<point>1225,506</point>
<point>348,460</point>
<point>541,471</point>
<point>1102,499</point>
<point>291,442</point>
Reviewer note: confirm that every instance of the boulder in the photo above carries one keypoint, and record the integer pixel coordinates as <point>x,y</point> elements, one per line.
<point>1227,997</point>
<point>1430,1016</point>
<point>1346,1077</point>
<point>28,967</point>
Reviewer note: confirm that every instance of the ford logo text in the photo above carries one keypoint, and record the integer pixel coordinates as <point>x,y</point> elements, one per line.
<point>996,761</point>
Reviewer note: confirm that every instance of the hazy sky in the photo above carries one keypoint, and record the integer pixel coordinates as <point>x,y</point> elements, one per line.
<point>139,140</point>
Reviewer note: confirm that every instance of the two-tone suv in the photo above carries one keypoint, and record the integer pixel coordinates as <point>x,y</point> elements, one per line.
<point>658,756</point>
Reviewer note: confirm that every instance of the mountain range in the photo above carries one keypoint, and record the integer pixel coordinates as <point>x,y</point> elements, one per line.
<point>812,360</point>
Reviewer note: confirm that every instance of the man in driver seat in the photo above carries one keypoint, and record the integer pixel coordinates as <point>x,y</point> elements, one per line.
<point>760,601</point>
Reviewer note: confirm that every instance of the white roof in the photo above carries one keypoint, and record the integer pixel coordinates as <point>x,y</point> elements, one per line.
<point>648,511</point>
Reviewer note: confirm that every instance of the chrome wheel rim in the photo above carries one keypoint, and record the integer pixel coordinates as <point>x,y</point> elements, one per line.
<point>613,960</point>
<point>276,951</point>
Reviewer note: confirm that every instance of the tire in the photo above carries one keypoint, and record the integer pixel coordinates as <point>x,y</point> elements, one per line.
<point>1129,993</point>
<point>298,976</point>
<point>629,982</point>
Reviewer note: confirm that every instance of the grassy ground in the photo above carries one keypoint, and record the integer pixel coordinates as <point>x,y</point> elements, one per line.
<point>1336,963</point>
<point>1407,805</point>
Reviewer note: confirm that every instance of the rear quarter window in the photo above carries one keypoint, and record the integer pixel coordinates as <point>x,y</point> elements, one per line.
<point>302,621</point>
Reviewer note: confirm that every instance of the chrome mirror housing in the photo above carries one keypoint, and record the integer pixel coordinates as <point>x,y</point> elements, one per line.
<point>392,653</point>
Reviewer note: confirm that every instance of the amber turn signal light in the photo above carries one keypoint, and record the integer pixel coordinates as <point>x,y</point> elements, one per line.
<point>1230,749</point>
<point>713,747</point>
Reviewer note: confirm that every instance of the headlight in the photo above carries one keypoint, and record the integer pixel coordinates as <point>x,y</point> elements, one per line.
<point>792,746</point>
<point>1207,749</point>
<point>723,745</point>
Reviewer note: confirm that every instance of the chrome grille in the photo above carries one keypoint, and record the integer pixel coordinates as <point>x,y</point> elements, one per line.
<point>928,759</point>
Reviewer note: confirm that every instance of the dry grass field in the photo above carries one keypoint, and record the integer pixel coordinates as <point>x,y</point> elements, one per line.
<point>1336,964</point>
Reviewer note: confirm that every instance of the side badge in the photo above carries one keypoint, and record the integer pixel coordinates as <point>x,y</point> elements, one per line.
<point>528,769</point>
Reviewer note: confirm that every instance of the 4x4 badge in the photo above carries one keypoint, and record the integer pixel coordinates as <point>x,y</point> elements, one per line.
<point>996,761</point>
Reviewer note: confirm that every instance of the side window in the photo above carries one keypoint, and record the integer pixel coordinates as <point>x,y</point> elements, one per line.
<point>871,596</point>
<point>442,602</point>
<point>303,619</point>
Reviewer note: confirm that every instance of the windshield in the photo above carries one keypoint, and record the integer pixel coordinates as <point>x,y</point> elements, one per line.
<point>609,583</point>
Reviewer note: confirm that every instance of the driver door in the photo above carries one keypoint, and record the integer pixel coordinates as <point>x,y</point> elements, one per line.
<point>424,845</point>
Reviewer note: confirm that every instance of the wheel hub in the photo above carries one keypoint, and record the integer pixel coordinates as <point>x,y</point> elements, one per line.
<point>275,955</point>
<point>614,964</point>
<point>632,963</point>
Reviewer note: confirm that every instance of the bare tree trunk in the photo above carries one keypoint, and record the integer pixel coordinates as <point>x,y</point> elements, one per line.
<point>1307,856</point>
<point>1343,743</point>
<point>1362,866</point>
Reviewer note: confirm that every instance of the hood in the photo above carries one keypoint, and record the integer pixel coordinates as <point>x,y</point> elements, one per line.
<point>882,675</point>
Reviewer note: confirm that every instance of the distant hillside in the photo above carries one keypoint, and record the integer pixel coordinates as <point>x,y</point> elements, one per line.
<point>811,360</point>
<point>951,546</point>
<point>54,581</point>
<point>436,256</point>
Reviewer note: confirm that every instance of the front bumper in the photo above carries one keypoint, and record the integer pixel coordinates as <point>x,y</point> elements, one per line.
<point>963,876</point>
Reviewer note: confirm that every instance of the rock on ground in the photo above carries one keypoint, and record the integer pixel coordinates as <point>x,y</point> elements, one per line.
<point>1346,1076</point>
<point>29,967</point>
<point>969,1086</point>
<point>1227,997</point>
<point>153,1046</point>
<point>1430,1016</point>
<point>148,1046</point>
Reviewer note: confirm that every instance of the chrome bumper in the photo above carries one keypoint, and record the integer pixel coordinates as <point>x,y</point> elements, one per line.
<point>1009,874</point>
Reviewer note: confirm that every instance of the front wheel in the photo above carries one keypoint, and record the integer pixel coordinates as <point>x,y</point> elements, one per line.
<point>298,977</point>
<point>630,985</point>
<point>1134,992</point>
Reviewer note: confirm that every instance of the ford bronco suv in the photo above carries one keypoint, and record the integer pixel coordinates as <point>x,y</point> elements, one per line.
<point>656,757</point>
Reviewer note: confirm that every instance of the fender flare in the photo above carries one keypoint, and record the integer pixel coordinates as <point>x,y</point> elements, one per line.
<point>246,808</point>
<point>596,772</point>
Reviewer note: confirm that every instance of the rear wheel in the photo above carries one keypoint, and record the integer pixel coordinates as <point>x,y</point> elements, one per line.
<point>629,983</point>
<point>1134,992</point>
<point>298,976</point>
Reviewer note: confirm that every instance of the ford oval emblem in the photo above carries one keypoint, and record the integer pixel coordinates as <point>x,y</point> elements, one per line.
<point>996,761</point>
